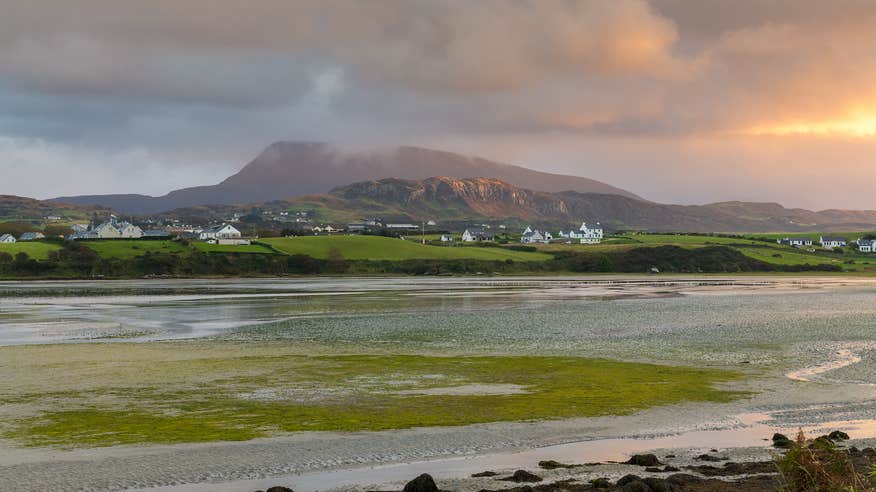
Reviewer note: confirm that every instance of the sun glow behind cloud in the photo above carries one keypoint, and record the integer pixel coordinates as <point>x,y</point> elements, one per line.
<point>861,125</point>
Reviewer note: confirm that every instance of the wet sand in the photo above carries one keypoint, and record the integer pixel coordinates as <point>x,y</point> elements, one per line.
<point>808,342</point>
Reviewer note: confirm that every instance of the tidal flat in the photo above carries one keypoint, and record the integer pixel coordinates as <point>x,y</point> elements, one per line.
<point>156,383</point>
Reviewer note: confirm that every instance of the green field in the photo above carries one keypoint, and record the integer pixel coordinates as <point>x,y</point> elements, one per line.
<point>202,391</point>
<point>230,248</point>
<point>129,248</point>
<point>37,250</point>
<point>384,248</point>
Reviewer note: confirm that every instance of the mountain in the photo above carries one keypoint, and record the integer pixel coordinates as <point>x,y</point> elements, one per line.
<point>21,209</point>
<point>455,202</point>
<point>289,169</point>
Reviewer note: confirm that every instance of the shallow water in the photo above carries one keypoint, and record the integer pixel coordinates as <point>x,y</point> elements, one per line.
<point>810,345</point>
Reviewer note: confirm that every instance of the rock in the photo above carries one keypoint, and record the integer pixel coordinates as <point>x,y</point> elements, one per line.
<point>838,436</point>
<point>732,469</point>
<point>552,465</point>
<point>670,468</point>
<point>627,479</point>
<point>781,441</point>
<point>644,460</point>
<point>484,474</point>
<point>636,486</point>
<point>600,483</point>
<point>659,485</point>
<point>423,483</point>
<point>668,456</point>
<point>523,476</point>
<point>653,469</point>
<point>708,457</point>
<point>279,488</point>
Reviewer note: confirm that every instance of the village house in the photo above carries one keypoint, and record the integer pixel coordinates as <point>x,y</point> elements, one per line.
<point>588,235</point>
<point>31,236</point>
<point>224,231</point>
<point>7,238</point>
<point>831,242</point>
<point>446,238</point>
<point>531,235</point>
<point>866,245</point>
<point>403,227</point>
<point>476,234</point>
<point>112,229</point>
<point>797,242</point>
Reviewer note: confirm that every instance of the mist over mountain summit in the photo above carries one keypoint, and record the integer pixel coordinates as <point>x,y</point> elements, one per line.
<point>289,169</point>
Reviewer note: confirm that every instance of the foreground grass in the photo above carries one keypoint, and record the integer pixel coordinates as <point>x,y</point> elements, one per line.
<point>383,248</point>
<point>208,391</point>
<point>37,250</point>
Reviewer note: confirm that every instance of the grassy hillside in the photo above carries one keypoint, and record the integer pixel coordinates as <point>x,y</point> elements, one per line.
<point>36,250</point>
<point>230,248</point>
<point>129,248</point>
<point>383,248</point>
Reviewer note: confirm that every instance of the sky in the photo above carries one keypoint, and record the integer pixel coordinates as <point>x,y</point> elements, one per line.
<point>679,101</point>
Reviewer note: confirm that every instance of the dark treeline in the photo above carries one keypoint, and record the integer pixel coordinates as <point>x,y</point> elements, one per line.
<point>76,260</point>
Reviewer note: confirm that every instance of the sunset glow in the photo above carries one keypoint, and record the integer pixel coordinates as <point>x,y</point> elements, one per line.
<point>863,126</point>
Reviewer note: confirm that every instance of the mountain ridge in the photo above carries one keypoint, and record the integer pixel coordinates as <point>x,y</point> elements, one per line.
<point>288,169</point>
<point>460,201</point>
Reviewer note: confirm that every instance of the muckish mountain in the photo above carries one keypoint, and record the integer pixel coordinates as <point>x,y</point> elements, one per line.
<point>456,202</point>
<point>290,169</point>
<point>492,199</point>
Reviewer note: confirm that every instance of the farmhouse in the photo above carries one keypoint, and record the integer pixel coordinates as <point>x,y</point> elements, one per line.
<point>477,234</point>
<point>31,236</point>
<point>588,235</point>
<point>7,238</point>
<point>831,242</point>
<point>403,227</point>
<point>531,235</point>
<point>224,231</point>
<point>867,245</point>
<point>109,230</point>
<point>797,242</point>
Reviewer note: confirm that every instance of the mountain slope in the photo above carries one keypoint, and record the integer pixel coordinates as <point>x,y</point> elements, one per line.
<point>456,202</point>
<point>289,169</point>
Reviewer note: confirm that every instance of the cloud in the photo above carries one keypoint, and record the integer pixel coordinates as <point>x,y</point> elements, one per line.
<point>203,85</point>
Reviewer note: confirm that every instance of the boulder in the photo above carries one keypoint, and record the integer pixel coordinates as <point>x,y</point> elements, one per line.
<point>600,483</point>
<point>484,474</point>
<point>423,483</point>
<point>523,476</point>
<point>838,436</point>
<point>781,441</point>
<point>708,457</point>
<point>627,479</point>
<point>637,486</point>
<point>553,465</point>
<point>644,460</point>
<point>279,488</point>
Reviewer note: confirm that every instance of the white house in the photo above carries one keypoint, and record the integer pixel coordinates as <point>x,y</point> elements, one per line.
<point>531,235</point>
<point>867,245</point>
<point>476,234</point>
<point>7,238</point>
<point>224,231</point>
<point>446,238</point>
<point>831,242</point>
<point>796,242</point>
<point>128,230</point>
<point>588,235</point>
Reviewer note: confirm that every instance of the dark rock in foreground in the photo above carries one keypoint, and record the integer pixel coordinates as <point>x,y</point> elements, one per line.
<point>781,441</point>
<point>523,476</point>
<point>423,483</point>
<point>644,460</point>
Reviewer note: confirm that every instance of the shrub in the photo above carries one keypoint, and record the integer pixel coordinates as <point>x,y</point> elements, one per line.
<point>816,465</point>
